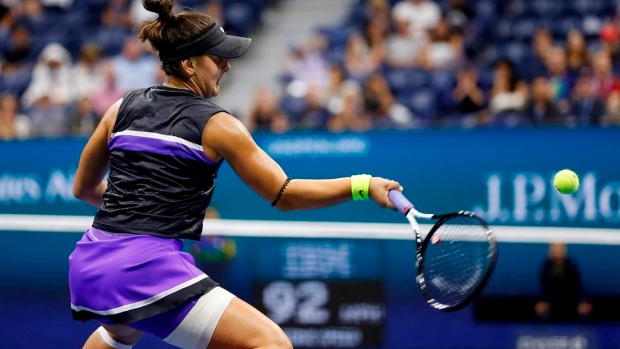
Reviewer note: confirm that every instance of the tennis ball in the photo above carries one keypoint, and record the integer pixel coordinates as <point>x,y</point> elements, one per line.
<point>566,181</point>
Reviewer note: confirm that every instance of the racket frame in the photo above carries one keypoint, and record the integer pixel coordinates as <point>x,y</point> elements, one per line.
<point>407,208</point>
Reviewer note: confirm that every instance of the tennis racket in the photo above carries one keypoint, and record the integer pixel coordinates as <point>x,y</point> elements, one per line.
<point>455,260</point>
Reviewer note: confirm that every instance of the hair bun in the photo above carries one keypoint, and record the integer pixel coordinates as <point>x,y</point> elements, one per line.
<point>162,7</point>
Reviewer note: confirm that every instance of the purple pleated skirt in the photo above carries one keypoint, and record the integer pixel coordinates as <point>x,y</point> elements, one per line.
<point>124,278</point>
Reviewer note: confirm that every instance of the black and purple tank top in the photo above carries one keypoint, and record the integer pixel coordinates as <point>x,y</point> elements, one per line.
<point>160,182</point>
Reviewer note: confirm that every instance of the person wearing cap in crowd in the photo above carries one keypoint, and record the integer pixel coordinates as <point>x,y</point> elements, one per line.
<point>161,147</point>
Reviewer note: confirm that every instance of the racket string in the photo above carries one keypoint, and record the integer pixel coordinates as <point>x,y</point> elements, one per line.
<point>456,263</point>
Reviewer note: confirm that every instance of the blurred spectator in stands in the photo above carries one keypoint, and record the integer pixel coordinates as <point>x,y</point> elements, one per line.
<point>82,119</point>
<point>13,125</point>
<point>610,40</point>
<point>586,107</point>
<point>577,55</point>
<point>443,50</point>
<point>349,111</point>
<point>108,92</point>
<point>508,93</point>
<point>459,15</point>
<point>605,82</point>
<point>117,14</point>
<point>48,119</point>
<point>382,108</point>
<point>315,115</point>
<point>402,49</point>
<point>19,46</point>
<point>88,72</point>
<point>306,63</point>
<point>560,79</point>
<point>468,97</point>
<point>561,292</point>
<point>542,43</point>
<point>51,77</point>
<point>541,108</point>
<point>14,77</point>
<point>265,113</point>
<point>365,52</point>
<point>612,118</point>
<point>422,15</point>
<point>134,69</point>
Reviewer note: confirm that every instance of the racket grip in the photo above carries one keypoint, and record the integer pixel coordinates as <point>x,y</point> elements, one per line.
<point>400,201</point>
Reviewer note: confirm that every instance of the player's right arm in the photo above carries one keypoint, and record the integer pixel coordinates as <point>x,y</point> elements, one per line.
<point>89,185</point>
<point>226,137</point>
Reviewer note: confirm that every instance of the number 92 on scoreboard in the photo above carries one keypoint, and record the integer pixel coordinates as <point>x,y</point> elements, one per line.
<point>325,313</point>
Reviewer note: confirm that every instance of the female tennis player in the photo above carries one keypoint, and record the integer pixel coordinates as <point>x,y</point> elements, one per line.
<point>162,147</point>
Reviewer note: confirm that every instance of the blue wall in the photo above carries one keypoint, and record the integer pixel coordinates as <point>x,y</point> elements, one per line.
<point>503,174</point>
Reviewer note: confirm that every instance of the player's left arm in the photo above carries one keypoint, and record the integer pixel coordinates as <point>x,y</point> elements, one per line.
<point>89,185</point>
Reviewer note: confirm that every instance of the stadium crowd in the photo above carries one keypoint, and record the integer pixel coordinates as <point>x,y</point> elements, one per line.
<point>390,64</point>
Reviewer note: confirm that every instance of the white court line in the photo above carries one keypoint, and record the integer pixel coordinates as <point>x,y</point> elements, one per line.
<point>296,229</point>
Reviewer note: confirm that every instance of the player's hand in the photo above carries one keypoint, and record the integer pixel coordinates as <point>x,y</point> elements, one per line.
<point>379,188</point>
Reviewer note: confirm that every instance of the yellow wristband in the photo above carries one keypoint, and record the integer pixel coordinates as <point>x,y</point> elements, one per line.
<point>360,185</point>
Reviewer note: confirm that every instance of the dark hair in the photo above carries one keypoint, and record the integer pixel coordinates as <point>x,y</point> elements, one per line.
<point>169,30</point>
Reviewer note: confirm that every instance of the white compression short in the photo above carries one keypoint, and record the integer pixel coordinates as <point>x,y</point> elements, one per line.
<point>196,329</point>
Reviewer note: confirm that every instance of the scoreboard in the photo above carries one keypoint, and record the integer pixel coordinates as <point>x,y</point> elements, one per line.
<point>322,293</point>
<point>323,313</point>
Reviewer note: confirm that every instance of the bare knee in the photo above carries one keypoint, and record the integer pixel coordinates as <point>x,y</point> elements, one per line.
<point>123,334</point>
<point>277,339</point>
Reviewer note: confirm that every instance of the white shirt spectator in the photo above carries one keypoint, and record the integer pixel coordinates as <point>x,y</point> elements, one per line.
<point>422,15</point>
<point>51,77</point>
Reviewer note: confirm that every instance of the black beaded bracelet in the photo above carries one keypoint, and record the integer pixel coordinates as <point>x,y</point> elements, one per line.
<point>275,202</point>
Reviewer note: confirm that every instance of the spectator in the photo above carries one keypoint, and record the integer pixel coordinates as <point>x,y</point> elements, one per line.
<point>88,72</point>
<point>15,77</point>
<point>613,110</point>
<point>542,43</point>
<point>265,114</point>
<point>48,118</point>
<point>348,112</point>
<point>586,107</point>
<point>315,115</point>
<point>108,92</point>
<point>13,125</point>
<point>82,119</point>
<point>402,49</point>
<point>605,82</point>
<point>30,13</point>
<point>560,79</point>
<point>468,97</point>
<point>365,53</point>
<point>19,47</point>
<point>508,93</point>
<point>133,68</point>
<point>307,64</point>
<point>422,16</point>
<point>51,77</point>
<point>381,107</point>
<point>577,55</point>
<point>561,291</point>
<point>443,50</point>
<point>541,108</point>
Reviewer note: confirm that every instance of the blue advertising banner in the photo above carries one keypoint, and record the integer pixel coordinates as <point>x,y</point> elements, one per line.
<point>505,175</point>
